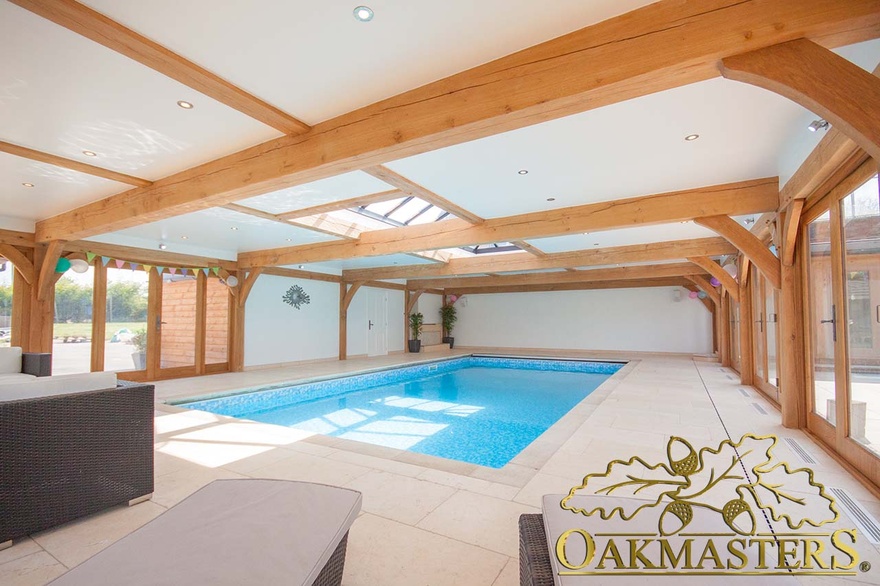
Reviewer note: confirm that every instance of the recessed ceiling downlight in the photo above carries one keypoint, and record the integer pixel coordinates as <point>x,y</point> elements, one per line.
<point>163,246</point>
<point>523,171</point>
<point>90,153</point>
<point>28,184</point>
<point>551,199</point>
<point>185,105</point>
<point>692,137</point>
<point>363,13</point>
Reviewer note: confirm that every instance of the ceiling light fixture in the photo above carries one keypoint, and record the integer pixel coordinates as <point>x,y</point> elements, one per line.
<point>819,124</point>
<point>90,153</point>
<point>184,237</point>
<point>692,137</point>
<point>523,171</point>
<point>162,246</point>
<point>551,199</point>
<point>185,105</point>
<point>302,266</point>
<point>28,184</point>
<point>233,228</point>
<point>290,239</point>
<point>363,13</point>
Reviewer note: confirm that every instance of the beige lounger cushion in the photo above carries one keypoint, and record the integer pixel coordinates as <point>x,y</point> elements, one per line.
<point>10,360</point>
<point>46,386</point>
<point>231,532</point>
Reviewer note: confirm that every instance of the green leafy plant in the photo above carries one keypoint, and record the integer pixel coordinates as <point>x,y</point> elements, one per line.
<point>139,339</point>
<point>448,318</point>
<point>415,324</point>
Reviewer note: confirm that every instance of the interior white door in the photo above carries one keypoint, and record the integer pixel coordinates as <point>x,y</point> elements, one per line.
<point>377,322</point>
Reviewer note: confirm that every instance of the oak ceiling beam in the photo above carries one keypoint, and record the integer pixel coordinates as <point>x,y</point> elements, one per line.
<point>625,284</point>
<point>664,45</point>
<point>706,287</point>
<point>95,26</point>
<point>530,248</point>
<point>715,269</point>
<point>342,204</point>
<point>16,238</point>
<point>412,188</point>
<point>748,244</point>
<point>21,263</point>
<point>613,274</point>
<point>48,276</point>
<point>838,90</point>
<point>746,197</point>
<point>790,231</point>
<point>523,261</point>
<point>26,153</point>
<point>302,274</point>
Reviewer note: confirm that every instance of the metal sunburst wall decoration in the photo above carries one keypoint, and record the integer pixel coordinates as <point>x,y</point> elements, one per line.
<point>296,297</point>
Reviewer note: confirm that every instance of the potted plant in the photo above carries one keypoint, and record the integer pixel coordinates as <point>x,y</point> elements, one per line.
<point>447,318</point>
<point>139,356</point>
<point>415,327</point>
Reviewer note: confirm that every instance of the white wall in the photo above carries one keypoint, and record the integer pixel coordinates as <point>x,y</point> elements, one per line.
<point>429,306</point>
<point>275,332</point>
<point>646,320</point>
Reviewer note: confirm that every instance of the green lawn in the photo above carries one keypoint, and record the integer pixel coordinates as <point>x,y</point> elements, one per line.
<point>85,329</point>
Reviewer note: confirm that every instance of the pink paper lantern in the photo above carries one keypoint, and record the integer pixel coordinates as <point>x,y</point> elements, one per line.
<point>693,294</point>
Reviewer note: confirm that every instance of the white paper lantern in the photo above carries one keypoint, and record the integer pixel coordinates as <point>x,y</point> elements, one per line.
<point>232,281</point>
<point>78,265</point>
<point>730,269</point>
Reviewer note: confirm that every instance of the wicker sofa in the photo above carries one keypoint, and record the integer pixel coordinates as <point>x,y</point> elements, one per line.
<point>71,446</point>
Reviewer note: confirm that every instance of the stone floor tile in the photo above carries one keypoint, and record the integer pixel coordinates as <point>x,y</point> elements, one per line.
<point>34,569</point>
<point>399,498</point>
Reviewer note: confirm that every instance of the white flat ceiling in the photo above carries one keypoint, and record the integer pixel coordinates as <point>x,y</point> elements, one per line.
<point>62,94</point>
<point>212,230</point>
<point>625,150</point>
<point>54,190</point>
<point>370,262</point>
<point>315,61</point>
<point>336,188</point>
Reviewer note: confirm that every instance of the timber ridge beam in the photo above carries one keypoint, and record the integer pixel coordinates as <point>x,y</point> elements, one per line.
<point>528,261</point>
<point>612,274</point>
<point>585,286</point>
<point>660,46</point>
<point>746,197</point>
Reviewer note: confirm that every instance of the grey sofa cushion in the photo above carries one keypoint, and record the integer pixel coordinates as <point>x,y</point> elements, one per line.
<point>55,385</point>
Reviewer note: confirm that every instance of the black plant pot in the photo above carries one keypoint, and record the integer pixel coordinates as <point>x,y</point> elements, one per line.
<point>415,346</point>
<point>449,340</point>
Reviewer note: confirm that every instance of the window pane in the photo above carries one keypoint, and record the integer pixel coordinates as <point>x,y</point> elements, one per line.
<point>72,331</point>
<point>125,335</point>
<point>772,323</point>
<point>734,336</point>
<point>217,330</point>
<point>430,216</point>
<point>760,321</point>
<point>821,314</point>
<point>861,231</point>
<point>383,207</point>
<point>408,210</point>
<point>5,302</point>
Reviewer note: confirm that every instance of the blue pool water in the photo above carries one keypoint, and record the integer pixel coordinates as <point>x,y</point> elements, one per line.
<point>482,410</point>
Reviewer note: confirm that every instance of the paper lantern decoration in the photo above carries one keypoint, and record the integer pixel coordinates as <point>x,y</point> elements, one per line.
<point>730,269</point>
<point>79,266</point>
<point>62,265</point>
<point>232,281</point>
<point>714,282</point>
<point>692,294</point>
<point>702,295</point>
<point>453,298</point>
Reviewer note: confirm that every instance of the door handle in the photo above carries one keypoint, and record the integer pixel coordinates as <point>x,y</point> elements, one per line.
<point>369,324</point>
<point>833,322</point>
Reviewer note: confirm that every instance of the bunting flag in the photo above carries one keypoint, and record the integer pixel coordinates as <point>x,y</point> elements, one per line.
<point>172,270</point>
<point>134,266</point>
<point>206,271</point>
<point>147,268</point>
<point>160,269</point>
<point>90,256</point>
<point>216,271</point>
<point>105,260</point>
<point>119,263</point>
<point>183,272</point>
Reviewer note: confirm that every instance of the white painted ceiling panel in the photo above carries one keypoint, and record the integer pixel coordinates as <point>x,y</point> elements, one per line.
<point>62,93</point>
<point>345,186</point>
<point>627,236</point>
<point>55,189</point>
<point>213,229</point>
<point>315,61</point>
<point>624,150</point>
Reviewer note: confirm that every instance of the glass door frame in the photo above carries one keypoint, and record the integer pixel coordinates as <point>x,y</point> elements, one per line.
<point>834,436</point>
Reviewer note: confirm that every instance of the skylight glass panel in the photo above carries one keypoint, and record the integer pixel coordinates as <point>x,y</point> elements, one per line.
<point>407,211</point>
<point>432,215</point>
<point>383,207</point>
